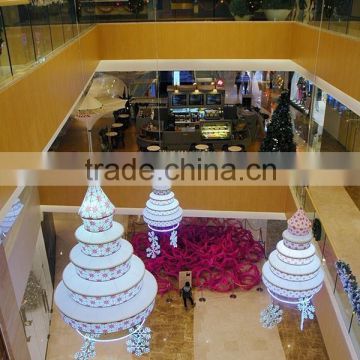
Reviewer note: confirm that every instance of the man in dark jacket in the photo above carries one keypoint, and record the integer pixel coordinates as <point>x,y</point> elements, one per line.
<point>186,293</point>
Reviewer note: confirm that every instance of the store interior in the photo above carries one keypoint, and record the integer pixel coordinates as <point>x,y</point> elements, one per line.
<point>176,110</point>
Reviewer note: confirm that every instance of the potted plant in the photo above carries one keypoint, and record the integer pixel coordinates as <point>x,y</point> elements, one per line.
<point>240,9</point>
<point>277,10</point>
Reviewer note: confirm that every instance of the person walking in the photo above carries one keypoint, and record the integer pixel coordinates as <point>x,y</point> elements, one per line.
<point>238,83</point>
<point>186,293</point>
<point>245,79</point>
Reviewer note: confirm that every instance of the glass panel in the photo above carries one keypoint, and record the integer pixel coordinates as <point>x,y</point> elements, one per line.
<point>41,30</point>
<point>5,69</point>
<point>317,119</point>
<point>354,21</point>
<point>68,15</point>
<point>19,36</point>
<point>337,13</point>
<point>57,31</point>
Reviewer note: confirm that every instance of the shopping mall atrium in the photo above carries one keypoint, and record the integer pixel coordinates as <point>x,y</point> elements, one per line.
<point>179,179</point>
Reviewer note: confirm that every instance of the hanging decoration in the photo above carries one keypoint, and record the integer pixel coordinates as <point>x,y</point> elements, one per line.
<point>316,228</point>
<point>271,316</point>
<point>350,285</point>
<point>89,108</point>
<point>106,288</point>
<point>154,250</point>
<point>139,341</point>
<point>162,214</point>
<point>293,272</point>
<point>306,309</point>
<point>32,295</point>
<point>10,218</point>
<point>87,351</point>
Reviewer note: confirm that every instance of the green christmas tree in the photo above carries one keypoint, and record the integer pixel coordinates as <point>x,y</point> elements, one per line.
<point>279,135</point>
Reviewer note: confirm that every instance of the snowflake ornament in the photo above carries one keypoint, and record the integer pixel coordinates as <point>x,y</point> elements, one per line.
<point>154,250</point>
<point>87,350</point>
<point>153,237</point>
<point>139,341</point>
<point>271,316</point>
<point>173,239</point>
<point>307,310</point>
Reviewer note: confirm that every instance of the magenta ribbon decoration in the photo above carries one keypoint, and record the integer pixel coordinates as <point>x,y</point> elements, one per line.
<point>221,254</point>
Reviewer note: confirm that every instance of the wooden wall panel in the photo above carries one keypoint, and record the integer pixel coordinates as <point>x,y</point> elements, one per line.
<point>34,106</point>
<point>196,40</point>
<point>338,62</point>
<point>335,58</point>
<point>262,199</point>
<point>304,45</point>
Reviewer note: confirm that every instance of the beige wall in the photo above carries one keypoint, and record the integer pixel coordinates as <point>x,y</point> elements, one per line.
<point>10,321</point>
<point>241,198</point>
<point>334,339</point>
<point>195,40</point>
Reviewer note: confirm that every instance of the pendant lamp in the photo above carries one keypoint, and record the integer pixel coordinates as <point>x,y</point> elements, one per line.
<point>105,288</point>
<point>162,214</point>
<point>293,273</point>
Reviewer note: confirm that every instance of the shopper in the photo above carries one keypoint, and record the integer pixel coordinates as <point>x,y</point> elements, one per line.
<point>238,83</point>
<point>245,79</point>
<point>186,293</point>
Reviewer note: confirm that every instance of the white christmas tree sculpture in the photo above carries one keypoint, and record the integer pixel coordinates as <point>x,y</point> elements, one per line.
<point>105,288</point>
<point>162,214</point>
<point>293,272</point>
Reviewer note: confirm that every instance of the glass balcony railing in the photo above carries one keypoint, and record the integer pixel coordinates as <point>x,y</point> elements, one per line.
<point>28,33</point>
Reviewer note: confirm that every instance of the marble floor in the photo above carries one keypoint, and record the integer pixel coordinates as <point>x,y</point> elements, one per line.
<point>219,328</point>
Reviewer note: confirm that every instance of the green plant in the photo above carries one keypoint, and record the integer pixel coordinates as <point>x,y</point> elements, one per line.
<point>239,7</point>
<point>277,4</point>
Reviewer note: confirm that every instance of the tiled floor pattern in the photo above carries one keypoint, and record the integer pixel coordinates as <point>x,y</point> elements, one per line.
<point>301,345</point>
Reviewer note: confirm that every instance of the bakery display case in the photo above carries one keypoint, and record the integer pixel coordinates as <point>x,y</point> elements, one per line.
<point>216,130</point>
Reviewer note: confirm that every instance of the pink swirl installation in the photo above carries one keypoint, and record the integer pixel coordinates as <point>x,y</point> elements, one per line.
<point>221,257</point>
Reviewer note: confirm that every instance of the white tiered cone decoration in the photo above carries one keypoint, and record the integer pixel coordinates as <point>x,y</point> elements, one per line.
<point>293,273</point>
<point>162,214</point>
<point>105,288</point>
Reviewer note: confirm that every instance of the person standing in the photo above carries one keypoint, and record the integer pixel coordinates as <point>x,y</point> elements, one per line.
<point>186,293</point>
<point>238,83</point>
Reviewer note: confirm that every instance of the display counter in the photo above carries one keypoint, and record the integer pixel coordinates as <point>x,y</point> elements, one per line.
<point>216,130</point>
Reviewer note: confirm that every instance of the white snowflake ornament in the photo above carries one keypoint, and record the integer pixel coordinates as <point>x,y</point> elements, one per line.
<point>173,239</point>
<point>153,251</point>
<point>139,341</point>
<point>307,310</point>
<point>271,316</point>
<point>87,350</point>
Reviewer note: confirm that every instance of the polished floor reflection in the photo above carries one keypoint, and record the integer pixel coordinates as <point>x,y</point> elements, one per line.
<point>219,328</point>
